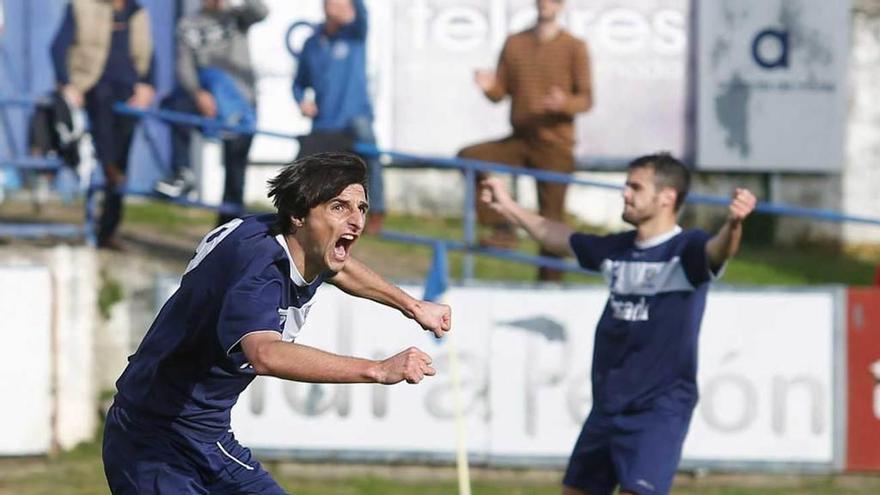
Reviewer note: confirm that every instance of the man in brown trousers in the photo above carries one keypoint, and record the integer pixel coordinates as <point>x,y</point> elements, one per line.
<point>546,72</point>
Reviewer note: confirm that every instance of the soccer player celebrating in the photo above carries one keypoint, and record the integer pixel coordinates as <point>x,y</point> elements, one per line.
<point>242,301</point>
<point>645,353</point>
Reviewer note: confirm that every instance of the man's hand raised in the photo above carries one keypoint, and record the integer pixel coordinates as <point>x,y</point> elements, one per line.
<point>433,317</point>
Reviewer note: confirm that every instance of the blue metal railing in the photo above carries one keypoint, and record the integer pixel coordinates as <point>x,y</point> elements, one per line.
<point>470,168</point>
<point>19,161</point>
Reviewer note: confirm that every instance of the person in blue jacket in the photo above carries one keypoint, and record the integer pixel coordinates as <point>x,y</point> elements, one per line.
<point>333,64</point>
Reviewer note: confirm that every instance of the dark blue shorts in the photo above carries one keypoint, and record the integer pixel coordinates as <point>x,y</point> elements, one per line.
<point>637,451</point>
<point>140,459</point>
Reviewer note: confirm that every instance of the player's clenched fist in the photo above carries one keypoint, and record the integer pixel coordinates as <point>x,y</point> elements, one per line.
<point>433,317</point>
<point>411,365</point>
<point>741,205</point>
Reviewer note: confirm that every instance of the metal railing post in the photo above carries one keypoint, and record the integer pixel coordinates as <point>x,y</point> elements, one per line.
<point>470,220</point>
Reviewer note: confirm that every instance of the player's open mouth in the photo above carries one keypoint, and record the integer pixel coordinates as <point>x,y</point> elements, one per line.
<point>343,246</point>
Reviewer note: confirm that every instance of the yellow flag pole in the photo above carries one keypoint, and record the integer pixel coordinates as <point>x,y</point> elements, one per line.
<point>461,457</point>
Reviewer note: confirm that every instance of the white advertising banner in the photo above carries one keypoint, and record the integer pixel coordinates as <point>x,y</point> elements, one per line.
<point>772,84</point>
<point>766,379</point>
<point>423,53</point>
<point>26,329</point>
<point>638,53</point>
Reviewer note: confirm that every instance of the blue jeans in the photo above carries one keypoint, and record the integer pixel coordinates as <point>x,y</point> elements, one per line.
<point>362,130</point>
<point>235,155</point>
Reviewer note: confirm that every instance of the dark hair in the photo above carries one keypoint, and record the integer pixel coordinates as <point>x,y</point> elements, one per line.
<point>668,172</point>
<point>313,180</point>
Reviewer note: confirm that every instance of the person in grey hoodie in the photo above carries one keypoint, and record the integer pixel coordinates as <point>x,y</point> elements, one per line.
<point>217,80</point>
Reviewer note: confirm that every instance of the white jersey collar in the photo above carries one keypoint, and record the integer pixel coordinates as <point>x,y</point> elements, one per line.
<point>658,239</point>
<point>295,275</point>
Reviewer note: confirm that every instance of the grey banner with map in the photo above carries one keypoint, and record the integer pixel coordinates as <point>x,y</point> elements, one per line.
<point>772,84</point>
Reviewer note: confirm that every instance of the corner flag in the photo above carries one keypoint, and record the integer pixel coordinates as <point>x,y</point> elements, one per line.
<point>436,284</point>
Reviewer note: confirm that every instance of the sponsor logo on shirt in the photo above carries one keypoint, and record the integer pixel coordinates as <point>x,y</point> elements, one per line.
<point>629,310</point>
<point>646,278</point>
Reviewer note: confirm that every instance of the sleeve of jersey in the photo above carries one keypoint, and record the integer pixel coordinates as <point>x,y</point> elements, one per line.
<point>251,305</point>
<point>589,249</point>
<point>695,260</point>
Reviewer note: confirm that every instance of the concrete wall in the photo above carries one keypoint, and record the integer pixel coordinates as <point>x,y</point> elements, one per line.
<point>73,306</point>
<point>861,178</point>
<point>90,350</point>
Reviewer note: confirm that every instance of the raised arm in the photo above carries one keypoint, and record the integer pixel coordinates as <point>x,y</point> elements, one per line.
<point>271,356</point>
<point>185,64</point>
<point>725,244</point>
<point>553,236</point>
<point>249,13</point>
<point>494,84</point>
<point>303,78</point>
<point>358,280</point>
<point>581,98</point>
<point>357,28</point>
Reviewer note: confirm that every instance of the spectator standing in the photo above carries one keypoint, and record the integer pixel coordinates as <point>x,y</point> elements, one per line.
<point>333,65</point>
<point>216,76</point>
<point>103,54</point>
<point>546,72</point>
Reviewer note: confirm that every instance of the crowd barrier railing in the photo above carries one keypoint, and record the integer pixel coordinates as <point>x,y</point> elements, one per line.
<point>470,169</point>
<point>17,160</point>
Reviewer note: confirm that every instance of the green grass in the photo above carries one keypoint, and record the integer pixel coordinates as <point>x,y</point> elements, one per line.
<point>754,265</point>
<point>379,486</point>
<point>167,216</point>
<point>80,472</point>
<point>798,266</point>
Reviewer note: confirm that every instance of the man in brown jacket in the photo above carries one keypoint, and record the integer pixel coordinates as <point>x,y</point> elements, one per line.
<point>103,54</point>
<point>546,72</point>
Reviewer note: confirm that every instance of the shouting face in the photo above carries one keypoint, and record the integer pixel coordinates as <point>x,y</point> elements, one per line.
<point>329,231</point>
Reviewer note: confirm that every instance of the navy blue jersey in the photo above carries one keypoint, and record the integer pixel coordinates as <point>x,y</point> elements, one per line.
<point>189,370</point>
<point>645,348</point>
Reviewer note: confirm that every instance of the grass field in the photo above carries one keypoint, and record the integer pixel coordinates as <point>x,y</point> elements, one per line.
<point>80,472</point>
